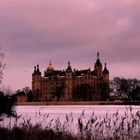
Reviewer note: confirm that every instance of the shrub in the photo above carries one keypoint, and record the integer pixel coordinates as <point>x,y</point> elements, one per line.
<point>6,105</point>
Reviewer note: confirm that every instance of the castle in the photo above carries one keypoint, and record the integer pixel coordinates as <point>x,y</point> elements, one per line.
<point>71,84</point>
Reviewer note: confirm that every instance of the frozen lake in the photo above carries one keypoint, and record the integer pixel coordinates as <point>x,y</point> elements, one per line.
<point>46,114</point>
<point>36,113</point>
<point>76,110</point>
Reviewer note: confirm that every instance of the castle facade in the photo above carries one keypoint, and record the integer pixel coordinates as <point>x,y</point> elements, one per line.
<point>71,84</point>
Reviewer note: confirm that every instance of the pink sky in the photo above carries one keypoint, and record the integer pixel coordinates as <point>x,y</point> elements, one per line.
<point>37,31</point>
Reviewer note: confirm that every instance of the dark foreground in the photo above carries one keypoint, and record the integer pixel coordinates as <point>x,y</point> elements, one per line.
<point>28,132</point>
<point>80,103</point>
<point>33,133</point>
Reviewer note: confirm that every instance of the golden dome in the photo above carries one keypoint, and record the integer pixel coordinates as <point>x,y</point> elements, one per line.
<point>50,67</point>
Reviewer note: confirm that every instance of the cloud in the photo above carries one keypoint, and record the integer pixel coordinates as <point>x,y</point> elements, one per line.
<point>36,31</point>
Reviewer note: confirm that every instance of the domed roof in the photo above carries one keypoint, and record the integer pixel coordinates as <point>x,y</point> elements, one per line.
<point>50,67</point>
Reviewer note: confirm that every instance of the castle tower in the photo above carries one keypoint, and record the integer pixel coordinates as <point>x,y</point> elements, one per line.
<point>105,73</point>
<point>68,82</point>
<point>98,66</point>
<point>105,83</point>
<point>36,83</point>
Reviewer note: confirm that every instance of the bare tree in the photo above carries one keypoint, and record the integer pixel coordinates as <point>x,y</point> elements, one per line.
<point>2,66</point>
<point>6,101</point>
<point>128,88</point>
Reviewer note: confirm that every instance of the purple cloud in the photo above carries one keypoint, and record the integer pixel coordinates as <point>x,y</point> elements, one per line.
<point>35,31</point>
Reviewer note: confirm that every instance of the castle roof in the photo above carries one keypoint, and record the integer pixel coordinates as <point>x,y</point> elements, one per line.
<point>50,67</point>
<point>55,73</point>
<point>105,71</point>
<point>98,63</point>
<point>69,67</point>
<point>36,71</point>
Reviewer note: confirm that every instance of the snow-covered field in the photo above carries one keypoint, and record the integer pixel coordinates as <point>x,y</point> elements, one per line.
<point>36,113</point>
<point>46,114</point>
<point>76,110</point>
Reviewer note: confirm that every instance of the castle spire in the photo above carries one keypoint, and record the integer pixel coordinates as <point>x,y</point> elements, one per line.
<point>98,63</point>
<point>105,64</point>
<point>50,63</point>
<point>105,71</point>
<point>36,71</point>
<point>69,67</point>
<point>98,55</point>
<point>37,67</point>
<point>68,63</point>
<point>34,68</point>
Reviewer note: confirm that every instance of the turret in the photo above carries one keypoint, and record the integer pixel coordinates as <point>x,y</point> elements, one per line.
<point>36,71</point>
<point>36,82</point>
<point>105,92</point>
<point>69,69</point>
<point>98,66</point>
<point>105,73</point>
<point>68,82</point>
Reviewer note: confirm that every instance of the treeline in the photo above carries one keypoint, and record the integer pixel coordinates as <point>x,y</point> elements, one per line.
<point>129,89</point>
<point>8,100</point>
<point>6,105</point>
<point>24,92</point>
